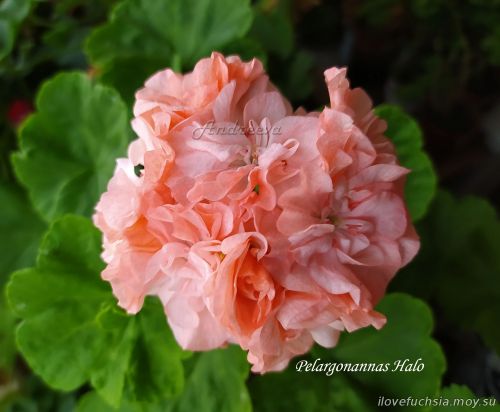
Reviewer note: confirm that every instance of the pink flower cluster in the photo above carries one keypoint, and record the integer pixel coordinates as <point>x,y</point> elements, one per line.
<point>254,224</point>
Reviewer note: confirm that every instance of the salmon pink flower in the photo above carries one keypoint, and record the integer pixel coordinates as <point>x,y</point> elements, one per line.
<point>253,224</point>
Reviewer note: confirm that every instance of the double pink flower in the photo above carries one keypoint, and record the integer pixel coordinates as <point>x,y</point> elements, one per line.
<point>254,224</point>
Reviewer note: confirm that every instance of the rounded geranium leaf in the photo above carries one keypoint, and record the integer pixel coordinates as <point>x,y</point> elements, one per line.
<point>149,35</point>
<point>190,29</point>
<point>404,342</point>
<point>406,135</point>
<point>7,342</point>
<point>459,257</point>
<point>20,231</point>
<point>407,335</point>
<point>327,386</point>
<point>71,331</point>
<point>92,402</point>
<point>68,147</point>
<point>292,390</point>
<point>59,300</point>
<point>215,382</point>
<point>12,13</point>
<point>273,27</point>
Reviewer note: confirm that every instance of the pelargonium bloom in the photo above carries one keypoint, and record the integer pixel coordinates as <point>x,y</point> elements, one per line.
<point>254,224</point>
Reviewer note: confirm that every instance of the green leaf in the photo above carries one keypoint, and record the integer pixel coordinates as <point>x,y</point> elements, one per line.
<point>148,35</point>
<point>407,137</point>
<point>12,13</point>
<point>459,257</point>
<point>30,394</point>
<point>297,82</point>
<point>67,148</point>
<point>215,383</point>
<point>491,45</point>
<point>272,27</point>
<point>128,74</point>
<point>71,331</point>
<point>155,366</point>
<point>20,231</point>
<point>92,402</point>
<point>247,49</point>
<point>290,390</point>
<point>406,335</point>
<point>7,342</point>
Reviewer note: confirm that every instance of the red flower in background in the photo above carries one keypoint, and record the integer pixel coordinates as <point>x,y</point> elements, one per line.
<point>18,110</point>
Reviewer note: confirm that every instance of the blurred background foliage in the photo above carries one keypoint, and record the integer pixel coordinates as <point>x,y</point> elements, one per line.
<point>437,65</point>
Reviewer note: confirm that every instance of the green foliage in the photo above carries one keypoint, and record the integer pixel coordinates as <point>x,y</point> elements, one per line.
<point>273,30</point>
<point>71,332</point>
<point>20,231</point>
<point>33,396</point>
<point>441,47</point>
<point>407,137</point>
<point>491,45</point>
<point>215,383</point>
<point>272,27</point>
<point>297,82</point>
<point>459,257</point>
<point>405,336</point>
<point>67,148</point>
<point>153,34</point>
<point>247,48</point>
<point>290,390</point>
<point>12,13</point>
<point>92,402</point>
<point>49,37</point>
<point>7,343</point>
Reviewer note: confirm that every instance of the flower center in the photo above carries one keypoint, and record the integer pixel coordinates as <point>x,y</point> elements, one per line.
<point>334,220</point>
